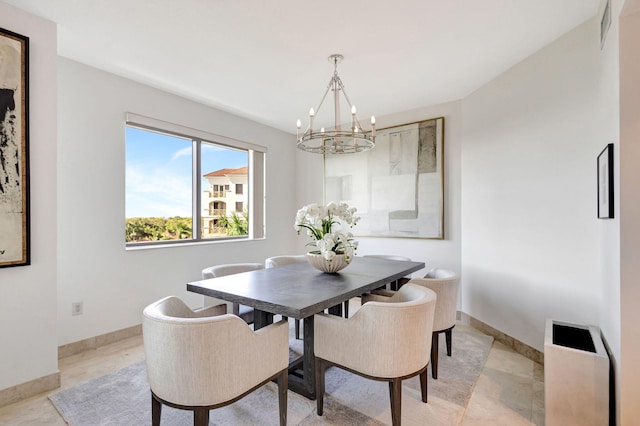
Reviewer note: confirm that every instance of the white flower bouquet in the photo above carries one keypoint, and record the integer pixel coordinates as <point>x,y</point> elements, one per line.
<point>328,227</point>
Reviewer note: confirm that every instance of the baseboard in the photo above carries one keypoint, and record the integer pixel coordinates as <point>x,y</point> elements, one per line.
<point>26,390</point>
<point>97,341</point>
<point>518,346</point>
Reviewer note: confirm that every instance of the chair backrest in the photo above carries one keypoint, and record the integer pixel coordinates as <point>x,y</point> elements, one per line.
<point>174,307</point>
<point>385,339</point>
<point>388,256</point>
<point>275,261</point>
<point>446,284</point>
<point>202,361</point>
<point>229,269</point>
<point>440,273</point>
<point>178,351</point>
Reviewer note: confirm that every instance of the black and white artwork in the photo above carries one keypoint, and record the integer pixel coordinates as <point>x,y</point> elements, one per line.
<point>14,161</point>
<point>397,187</point>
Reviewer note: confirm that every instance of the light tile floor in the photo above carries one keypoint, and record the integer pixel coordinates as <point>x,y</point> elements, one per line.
<point>509,391</point>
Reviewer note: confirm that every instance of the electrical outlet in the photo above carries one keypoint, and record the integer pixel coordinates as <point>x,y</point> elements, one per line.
<point>76,308</point>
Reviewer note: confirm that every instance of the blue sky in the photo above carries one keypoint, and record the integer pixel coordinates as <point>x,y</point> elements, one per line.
<point>158,175</point>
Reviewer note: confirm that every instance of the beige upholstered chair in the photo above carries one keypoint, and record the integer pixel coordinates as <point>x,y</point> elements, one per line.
<point>244,312</point>
<point>446,285</point>
<point>400,282</point>
<point>381,341</point>
<point>202,360</point>
<point>276,261</point>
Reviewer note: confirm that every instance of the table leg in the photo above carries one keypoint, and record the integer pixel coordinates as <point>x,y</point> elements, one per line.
<point>305,384</point>
<point>336,310</point>
<point>309,365</point>
<point>261,319</point>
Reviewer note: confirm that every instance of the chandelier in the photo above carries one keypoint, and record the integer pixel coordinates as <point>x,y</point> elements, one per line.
<point>338,140</point>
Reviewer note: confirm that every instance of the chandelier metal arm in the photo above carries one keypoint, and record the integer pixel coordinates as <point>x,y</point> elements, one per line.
<point>329,86</point>
<point>346,97</point>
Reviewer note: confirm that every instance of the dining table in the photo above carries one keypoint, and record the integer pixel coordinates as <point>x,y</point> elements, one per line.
<point>299,291</point>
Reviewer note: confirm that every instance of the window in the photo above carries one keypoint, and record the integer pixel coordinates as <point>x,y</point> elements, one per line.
<point>238,188</point>
<point>178,184</point>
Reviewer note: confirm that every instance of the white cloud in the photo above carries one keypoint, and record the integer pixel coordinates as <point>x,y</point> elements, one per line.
<point>184,152</point>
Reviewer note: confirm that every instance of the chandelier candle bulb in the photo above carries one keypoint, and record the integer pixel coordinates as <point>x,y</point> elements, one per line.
<point>353,116</point>
<point>373,126</point>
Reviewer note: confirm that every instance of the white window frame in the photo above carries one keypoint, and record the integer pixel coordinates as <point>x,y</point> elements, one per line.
<point>255,186</point>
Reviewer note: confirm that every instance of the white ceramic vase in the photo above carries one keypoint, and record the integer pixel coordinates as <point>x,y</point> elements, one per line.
<point>334,265</point>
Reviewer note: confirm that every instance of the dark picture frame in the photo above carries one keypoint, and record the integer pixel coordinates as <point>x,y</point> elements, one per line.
<point>14,150</point>
<point>398,186</point>
<point>605,183</point>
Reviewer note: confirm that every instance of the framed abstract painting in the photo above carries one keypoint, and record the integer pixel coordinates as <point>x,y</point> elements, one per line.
<point>398,186</point>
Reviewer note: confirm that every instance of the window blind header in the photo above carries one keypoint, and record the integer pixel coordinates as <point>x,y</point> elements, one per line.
<point>178,130</point>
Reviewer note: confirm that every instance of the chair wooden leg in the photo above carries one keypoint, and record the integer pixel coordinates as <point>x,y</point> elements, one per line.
<point>423,384</point>
<point>201,417</point>
<point>297,329</point>
<point>434,355</point>
<point>156,411</point>
<point>448,335</point>
<point>320,369</point>
<point>283,384</point>
<point>395,395</point>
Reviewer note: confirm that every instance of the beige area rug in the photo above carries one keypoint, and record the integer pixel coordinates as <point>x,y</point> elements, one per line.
<point>123,397</point>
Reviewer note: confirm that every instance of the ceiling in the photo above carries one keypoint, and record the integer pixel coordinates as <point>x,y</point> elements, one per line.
<point>267,60</point>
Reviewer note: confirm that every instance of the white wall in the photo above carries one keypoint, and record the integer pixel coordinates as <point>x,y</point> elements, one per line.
<point>94,267</point>
<point>629,373</point>
<point>533,248</point>
<point>435,253</point>
<point>27,293</point>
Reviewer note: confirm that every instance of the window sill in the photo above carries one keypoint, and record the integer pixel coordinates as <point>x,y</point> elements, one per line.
<point>172,244</point>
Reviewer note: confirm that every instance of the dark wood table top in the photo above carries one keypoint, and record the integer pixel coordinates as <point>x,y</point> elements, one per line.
<point>298,290</point>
